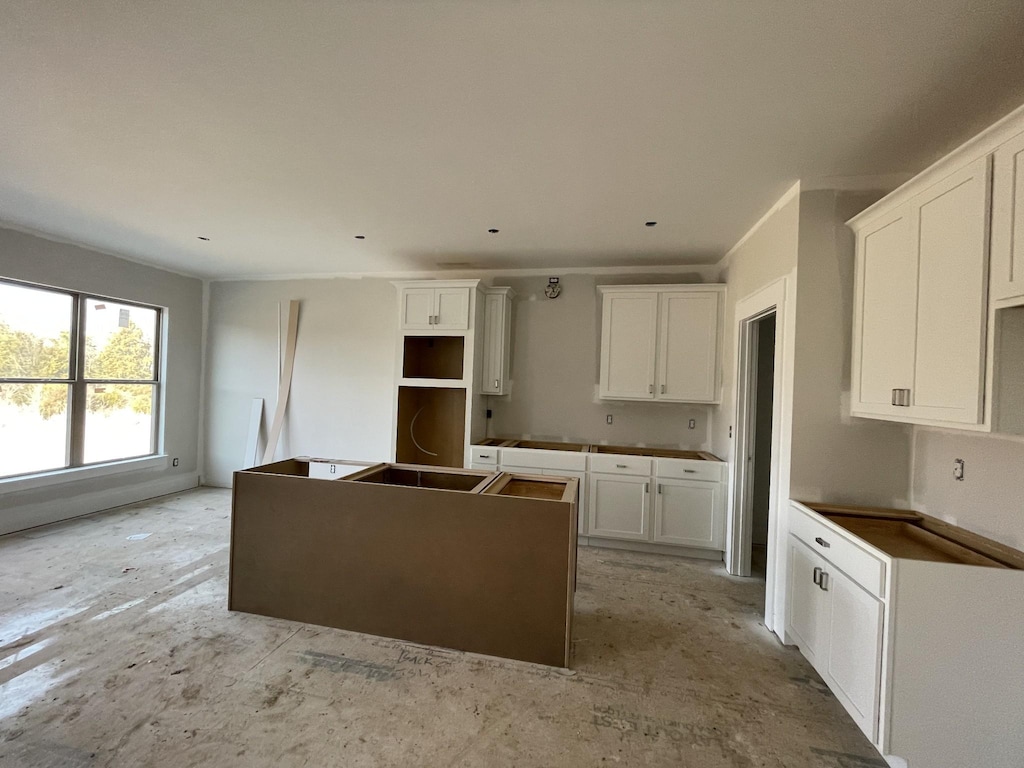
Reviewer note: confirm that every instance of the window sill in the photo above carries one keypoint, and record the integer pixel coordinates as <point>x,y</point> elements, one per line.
<point>60,476</point>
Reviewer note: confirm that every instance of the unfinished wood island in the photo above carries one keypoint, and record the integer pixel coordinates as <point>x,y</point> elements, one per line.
<point>472,560</point>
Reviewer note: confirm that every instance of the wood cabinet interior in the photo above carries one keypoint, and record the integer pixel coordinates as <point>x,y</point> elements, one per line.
<point>433,357</point>
<point>534,487</point>
<point>431,426</point>
<point>416,477</point>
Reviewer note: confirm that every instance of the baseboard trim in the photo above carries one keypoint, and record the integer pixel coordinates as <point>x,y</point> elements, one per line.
<point>58,510</point>
<point>654,549</point>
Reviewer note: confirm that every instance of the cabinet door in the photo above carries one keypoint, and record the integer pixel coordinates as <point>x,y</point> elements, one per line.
<point>854,661</point>
<point>686,512</point>
<point>806,605</point>
<point>492,377</point>
<point>952,312</point>
<point>1008,221</point>
<point>618,506</point>
<point>629,323</point>
<point>885,312</point>
<point>417,308</point>
<point>688,347</point>
<point>451,309</point>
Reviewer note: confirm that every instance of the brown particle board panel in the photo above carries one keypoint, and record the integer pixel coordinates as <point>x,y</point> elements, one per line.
<point>478,572</point>
<point>433,357</point>
<point>431,426</point>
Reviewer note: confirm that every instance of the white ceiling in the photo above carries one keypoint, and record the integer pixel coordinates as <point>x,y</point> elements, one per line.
<point>280,130</point>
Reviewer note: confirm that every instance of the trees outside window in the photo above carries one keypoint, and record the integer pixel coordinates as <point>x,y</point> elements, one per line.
<point>79,379</point>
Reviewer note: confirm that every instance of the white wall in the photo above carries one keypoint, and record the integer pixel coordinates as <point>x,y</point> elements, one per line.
<point>836,458</point>
<point>343,384</point>
<point>556,366</point>
<point>990,498</point>
<point>35,259</point>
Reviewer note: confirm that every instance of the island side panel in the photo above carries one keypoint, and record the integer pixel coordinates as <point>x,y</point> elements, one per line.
<point>468,571</point>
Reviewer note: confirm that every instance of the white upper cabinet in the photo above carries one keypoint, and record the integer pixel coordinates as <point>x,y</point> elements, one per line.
<point>629,323</point>
<point>435,306</point>
<point>1007,281</point>
<point>920,305</point>
<point>494,379</point>
<point>661,342</point>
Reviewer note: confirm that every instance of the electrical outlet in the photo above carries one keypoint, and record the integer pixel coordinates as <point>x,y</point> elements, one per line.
<point>693,423</point>
<point>174,462</point>
<point>608,419</point>
<point>489,414</point>
<point>958,469</point>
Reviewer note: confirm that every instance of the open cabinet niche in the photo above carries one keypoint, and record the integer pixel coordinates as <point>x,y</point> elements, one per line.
<point>433,357</point>
<point>431,426</point>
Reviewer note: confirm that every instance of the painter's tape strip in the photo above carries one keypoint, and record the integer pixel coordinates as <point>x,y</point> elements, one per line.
<point>286,382</point>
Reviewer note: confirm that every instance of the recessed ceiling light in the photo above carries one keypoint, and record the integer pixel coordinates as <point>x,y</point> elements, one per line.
<point>650,223</point>
<point>360,237</point>
<point>493,231</point>
<point>205,239</point>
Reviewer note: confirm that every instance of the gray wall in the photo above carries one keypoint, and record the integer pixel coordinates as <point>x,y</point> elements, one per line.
<point>343,383</point>
<point>835,457</point>
<point>556,367</point>
<point>34,259</point>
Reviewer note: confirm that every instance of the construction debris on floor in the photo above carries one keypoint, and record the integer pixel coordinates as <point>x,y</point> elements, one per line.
<point>136,661</point>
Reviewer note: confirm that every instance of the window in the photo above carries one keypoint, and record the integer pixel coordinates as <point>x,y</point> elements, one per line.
<point>79,379</point>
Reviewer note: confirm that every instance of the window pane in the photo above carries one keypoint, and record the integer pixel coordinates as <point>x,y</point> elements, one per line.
<point>35,328</point>
<point>118,421</point>
<point>33,427</point>
<point>119,340</point>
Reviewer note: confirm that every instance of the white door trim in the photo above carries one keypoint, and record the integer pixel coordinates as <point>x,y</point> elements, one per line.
<point>771,298</point>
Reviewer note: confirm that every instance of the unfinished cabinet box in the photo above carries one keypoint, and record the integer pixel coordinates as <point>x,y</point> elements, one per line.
<point>431,426</point>
<point>476,561</point>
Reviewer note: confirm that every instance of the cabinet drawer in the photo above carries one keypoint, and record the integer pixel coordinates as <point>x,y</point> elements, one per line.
<point>484,455</point>
<point>687,469</point>
<point>861,566</point>
<point>620,465</point>
<point>541,459</point>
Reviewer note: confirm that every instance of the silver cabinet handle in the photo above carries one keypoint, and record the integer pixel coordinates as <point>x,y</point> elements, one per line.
<point>485,455</point>
<point>690,471</point>
<point>647,487</point>
<point>495,383</point>
<point>659,488</point>
<point>823,581</point>
<point>893,401</point>
<point>822,542</point>
<point>621,466</point>
<point>816,578</point>
<point>650,388</point>
<point>663,389</point>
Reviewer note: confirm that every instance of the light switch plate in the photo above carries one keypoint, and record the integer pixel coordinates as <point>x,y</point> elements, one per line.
<point>958,469</point>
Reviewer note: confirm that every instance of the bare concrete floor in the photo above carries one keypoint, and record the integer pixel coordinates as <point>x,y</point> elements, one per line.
<point>120,652</point>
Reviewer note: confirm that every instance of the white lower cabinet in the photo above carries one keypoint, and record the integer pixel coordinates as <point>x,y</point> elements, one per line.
<point>618,506</point>
<point>686,512</point>
<point>838,626</point>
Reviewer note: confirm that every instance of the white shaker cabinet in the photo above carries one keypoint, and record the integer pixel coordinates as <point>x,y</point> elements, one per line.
<point>661,342</point>
<point>920,305</point>
<point>686,512</point>
<point>494,379</point>
<point>618,506</point>
<point>1007,282</point>
<point>435,305</point>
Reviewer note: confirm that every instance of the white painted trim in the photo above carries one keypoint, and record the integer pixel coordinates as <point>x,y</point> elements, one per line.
<point>203,344</point>
<point>659,288</point>
<point>773,296</point>
<point>44,513</point>
<point>976,147</point>
<point>65,241</point>
<point>74,474</point>
<point>704,269</point>
<point>788,195</point>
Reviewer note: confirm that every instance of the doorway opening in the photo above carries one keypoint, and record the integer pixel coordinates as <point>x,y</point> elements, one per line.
<point>760,455</point>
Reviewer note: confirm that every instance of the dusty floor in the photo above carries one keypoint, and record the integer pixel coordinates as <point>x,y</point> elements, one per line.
<point>120,652</point>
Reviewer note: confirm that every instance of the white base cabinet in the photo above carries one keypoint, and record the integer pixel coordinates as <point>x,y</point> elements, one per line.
<point>686,513</point>
<point>924,655</point>
<point>618,506</point>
